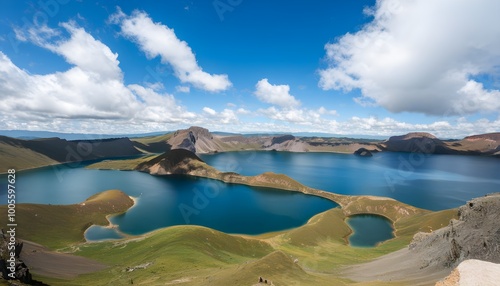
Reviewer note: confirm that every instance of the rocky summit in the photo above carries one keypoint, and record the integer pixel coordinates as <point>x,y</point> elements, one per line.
<point>474,235</point>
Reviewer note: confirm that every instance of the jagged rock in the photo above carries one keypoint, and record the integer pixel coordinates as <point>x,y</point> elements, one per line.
<point>418,142</point>
<point>169,162</point>
<point>473,272</point>
<point>475,235</point>
<point>196,139</point>
<point>363,152</point>
<point>21,271</point>
<point>281,139</point>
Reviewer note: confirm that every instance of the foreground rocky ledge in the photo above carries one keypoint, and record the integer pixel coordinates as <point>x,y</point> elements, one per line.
<point>473,272</point>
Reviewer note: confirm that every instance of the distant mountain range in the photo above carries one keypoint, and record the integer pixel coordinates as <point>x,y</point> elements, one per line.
<point>28,134</point>
<point>31,153</point>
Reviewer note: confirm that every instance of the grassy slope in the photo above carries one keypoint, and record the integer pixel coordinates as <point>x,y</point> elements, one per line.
<point>153,139</point>
<point>57,226</point>
<point>321,243</point>
<point>124,165</point>
<point>19,158</point>
<point>175,253</point>
<point>202,256</point>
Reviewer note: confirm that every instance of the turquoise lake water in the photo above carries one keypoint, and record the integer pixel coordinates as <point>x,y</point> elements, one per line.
<point>98,233</point>
<point>433,182</point>
<point>171,200</point>
<point>369,230</point>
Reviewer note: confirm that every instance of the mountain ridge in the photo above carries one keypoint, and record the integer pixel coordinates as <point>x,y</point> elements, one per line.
<point>25,154</point>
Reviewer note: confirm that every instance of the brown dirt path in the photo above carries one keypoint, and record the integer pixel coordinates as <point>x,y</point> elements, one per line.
<point>49,263</point>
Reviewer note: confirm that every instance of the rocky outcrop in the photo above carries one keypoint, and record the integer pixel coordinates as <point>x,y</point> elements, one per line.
<point>363,152</point>
<point>473,272</point>
<point>488,136</point>
<point>196,140</point>
<point>475,235</point>
<point>487,144</point>
<point>286,143</point>
<point>417,142</point>
<point>281,139</point>
<point>175,161</point>
<point>12,267</point>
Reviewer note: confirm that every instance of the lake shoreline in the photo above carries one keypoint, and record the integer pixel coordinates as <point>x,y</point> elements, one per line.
<point>111,225</point>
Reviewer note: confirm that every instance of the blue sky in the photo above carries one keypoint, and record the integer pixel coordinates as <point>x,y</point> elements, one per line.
<point>344,67</point>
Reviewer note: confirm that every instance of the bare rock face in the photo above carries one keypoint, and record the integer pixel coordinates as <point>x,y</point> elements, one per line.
<point>282,139</point>
<point>418,142</point>
<point>473,272</point>
<point>489,136</point>
<point>171,162</point>
<point>196,140</point>
<point>475,235</point>
<point>15,269</point>
<point>363,152</point>
<point>285,143</point>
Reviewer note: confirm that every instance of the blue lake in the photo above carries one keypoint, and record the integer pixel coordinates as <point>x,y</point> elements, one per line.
<point>98,233</point>
<point>433,182</point>
<point>369,230</point>
<point>170,200</point>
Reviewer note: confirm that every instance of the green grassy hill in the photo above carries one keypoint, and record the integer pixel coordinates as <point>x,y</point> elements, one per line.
<point>57,226</point>
<point>26,154</point>
<point>14,156</point>
<point>309,255</point>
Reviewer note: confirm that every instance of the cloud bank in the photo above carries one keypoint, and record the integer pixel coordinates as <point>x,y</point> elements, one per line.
<point>93,88</point>
<point>421,56</point>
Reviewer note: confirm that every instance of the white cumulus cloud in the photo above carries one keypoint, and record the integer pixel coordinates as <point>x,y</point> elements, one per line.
<point>275,94</point>
<point>156,39</point>
<point>227,116</point>
<point>209,111</point>
<point>93,88</point>
<point>182,88</point>
<point>421,56</point>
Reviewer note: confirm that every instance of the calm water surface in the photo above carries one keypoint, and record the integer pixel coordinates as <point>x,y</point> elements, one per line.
<point>369,230</point>
<point>98,233</point>
<point>171,200</point>
<point>433,182</point>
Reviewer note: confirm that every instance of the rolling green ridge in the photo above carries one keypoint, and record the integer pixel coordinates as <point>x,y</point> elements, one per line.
<point>57,226</point>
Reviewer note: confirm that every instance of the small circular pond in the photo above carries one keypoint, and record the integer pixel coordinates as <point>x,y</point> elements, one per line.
<point>369,230</point>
